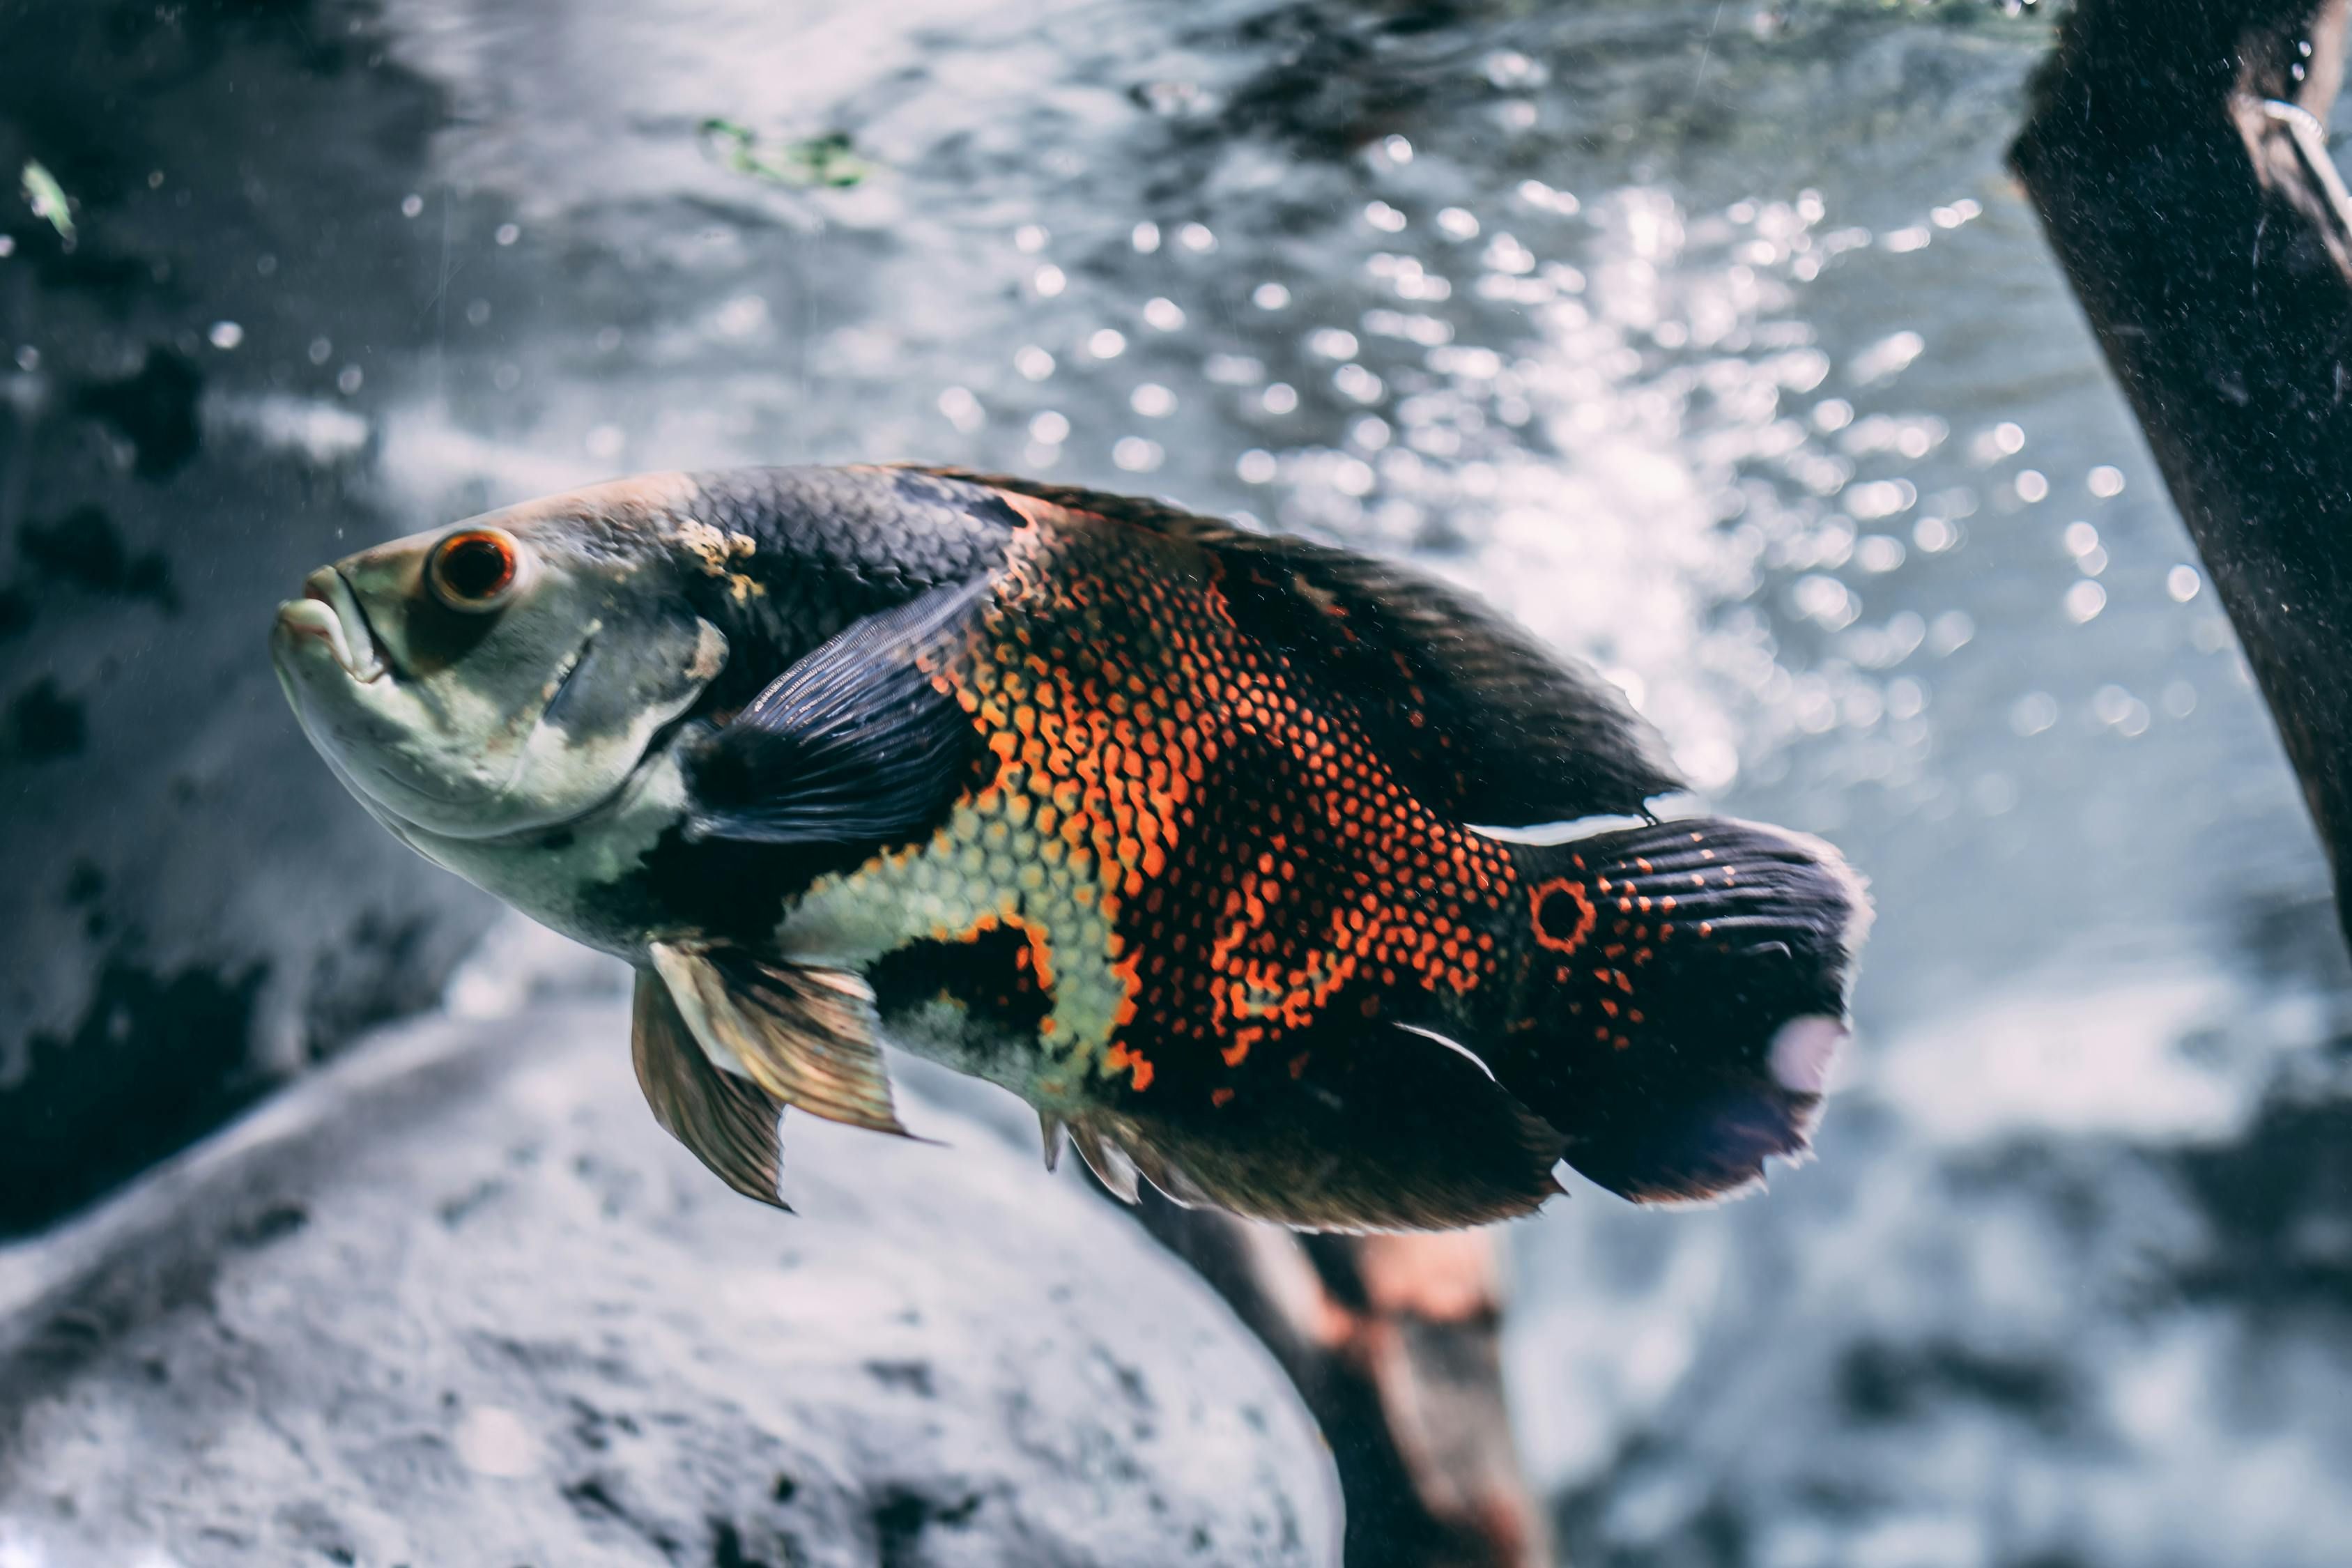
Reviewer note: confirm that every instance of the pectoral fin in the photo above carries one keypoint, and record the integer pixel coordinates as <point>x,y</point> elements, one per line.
<point>853,743</point>
<point>729,1122</point>
<point>804,1035</point>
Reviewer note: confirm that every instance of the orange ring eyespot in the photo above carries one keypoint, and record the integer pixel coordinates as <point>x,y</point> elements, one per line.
<point>473,571</point>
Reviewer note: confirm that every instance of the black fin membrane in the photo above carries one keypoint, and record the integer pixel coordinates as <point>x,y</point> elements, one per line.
<point>853,743</point>
<point>729,1122</point>
<point>1380,1128</point>
<point>1685,992</point>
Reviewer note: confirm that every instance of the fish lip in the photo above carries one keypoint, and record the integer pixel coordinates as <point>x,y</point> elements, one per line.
<point>348,635</point>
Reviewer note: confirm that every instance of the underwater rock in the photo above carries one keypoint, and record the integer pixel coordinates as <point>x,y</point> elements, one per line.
<point>455,1298</point>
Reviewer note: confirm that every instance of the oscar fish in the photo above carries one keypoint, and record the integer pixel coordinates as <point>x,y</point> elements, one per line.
<point>1186,833</point>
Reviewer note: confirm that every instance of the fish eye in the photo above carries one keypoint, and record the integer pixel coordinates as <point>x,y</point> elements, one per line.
<point>473,571</point>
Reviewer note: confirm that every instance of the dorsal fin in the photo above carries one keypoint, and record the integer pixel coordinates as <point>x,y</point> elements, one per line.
<point>1485,723</point>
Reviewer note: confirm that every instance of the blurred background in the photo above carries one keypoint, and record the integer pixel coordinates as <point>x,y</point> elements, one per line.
<point>1709,339</point>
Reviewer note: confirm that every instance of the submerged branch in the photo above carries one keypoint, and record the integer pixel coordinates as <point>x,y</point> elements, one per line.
<point>2171,151</point>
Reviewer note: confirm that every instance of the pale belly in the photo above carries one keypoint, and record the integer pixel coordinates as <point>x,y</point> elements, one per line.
<point>988,868</point>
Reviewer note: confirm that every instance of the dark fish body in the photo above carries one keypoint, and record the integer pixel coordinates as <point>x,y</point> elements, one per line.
<point>1166,826</point>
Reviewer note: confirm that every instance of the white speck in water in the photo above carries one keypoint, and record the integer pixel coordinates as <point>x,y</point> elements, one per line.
<point>2080,539</point>
<point>493,1441</point>
<point>1509,68</point>
<point>1369,433</point>
<point>1270,297</point>
<point>1537,194</point>
<point>1384,218</point>
<point>320,351</point>
<point>1197,238</point>
<point>1144,237</point>
<point>410,204</point>
<point>1255,466</point>
<point>1832,414</point>
<point>348,379</point>
<point>963,409</point>
<point>1049,429</point>
<point>1903,240</point>
<point>605,442</point>
<point>2106,481</point>
<point>1887,358</point>
<point>1332,343</point>
<point>1033,362</point>
<point>508,234</point>
<point>1995,794</point>
<point>1935,534</point>
<point>1107,343</point>
<point>1049,281</point>
<point>2182,583</point>
<point>2084,600</point>
<point>1136,455</point>
<point>1281,397</point>
<point>2008,438</point>
<point>1396,149</point>
<point>1949,633</point>
<point>1233,370</point>
<point>1355,383</point>
<point>1457,224</point>
<point>2033,712</point>
<point>2032,485</point>
<point>225,335</point>
<point>478,312</point>
<point>1958,213</point>
<point>1163,315</point>
<point>1822,599</point>
<point>1881,497</point>
<point>1906,698</point>
<point>1353,477</point>
<point>1152,401</point>
<point>745,316</point>
<point>1505,254</point>
<point>1878,553</point>
<point>1030,238</point>
<point>506,377</point>
<point>2179,700</point>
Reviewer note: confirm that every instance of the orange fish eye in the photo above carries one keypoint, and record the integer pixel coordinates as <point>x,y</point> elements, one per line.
<point>473,571</point>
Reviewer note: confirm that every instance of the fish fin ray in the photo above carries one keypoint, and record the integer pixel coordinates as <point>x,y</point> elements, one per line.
<point>1106,1156</point>
<point>728,1124</point>
<point>1720,953</point>
<point>1488,725</point>
<point>853,743</point>
<point>805,1034</point>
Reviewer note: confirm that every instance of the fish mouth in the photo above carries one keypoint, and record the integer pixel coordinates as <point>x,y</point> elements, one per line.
<point>329,611</point>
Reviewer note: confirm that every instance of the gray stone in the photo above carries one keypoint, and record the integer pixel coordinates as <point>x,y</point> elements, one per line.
<point>456,1301</point>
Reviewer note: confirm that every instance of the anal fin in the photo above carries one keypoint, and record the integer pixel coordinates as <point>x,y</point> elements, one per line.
<point>1107,1158</point>
<point>804,1035</point>
<point>729,1122</point>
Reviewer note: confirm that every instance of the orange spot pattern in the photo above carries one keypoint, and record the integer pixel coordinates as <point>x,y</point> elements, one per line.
<point>1255,866</point>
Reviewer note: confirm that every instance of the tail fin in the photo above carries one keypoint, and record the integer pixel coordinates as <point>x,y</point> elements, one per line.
<point>1683,993</point>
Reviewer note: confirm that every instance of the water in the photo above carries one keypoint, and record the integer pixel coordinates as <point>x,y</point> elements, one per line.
<point>1710,340</point>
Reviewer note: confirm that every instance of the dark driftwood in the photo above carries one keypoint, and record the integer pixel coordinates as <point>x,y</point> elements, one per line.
<point>2202,243</point>
<point>1393,1343</point>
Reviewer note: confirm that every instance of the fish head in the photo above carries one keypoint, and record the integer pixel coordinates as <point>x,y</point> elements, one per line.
<point>509,672</point>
